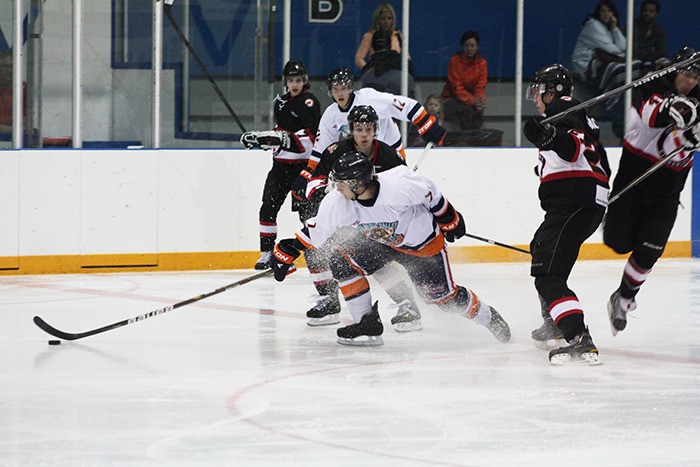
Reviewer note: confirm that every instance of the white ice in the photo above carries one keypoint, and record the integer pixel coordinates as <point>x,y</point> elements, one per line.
<point>240,379</point>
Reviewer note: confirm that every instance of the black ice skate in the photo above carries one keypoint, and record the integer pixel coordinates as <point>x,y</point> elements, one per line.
<point>325,312</point>
<point>548,336</point>
<point>618,308</point>
<point>407,317</point>
<point>367,332</point>
<point>498,326</point>
<point>581,348</point>
<point>264,261</point>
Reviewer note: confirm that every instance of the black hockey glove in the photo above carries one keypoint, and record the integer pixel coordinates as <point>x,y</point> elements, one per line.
<point>273,139</point>
<point>680,110</point>
<point>299,185</point>
<point>429,128</point>
<point>540,135</point>
<point>283,256</point>
<point>692,138</point>
<point>452,224</point>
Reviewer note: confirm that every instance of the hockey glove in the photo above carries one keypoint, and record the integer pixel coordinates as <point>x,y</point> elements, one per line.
<point>452,224</point>
<point>316,188</point>
<point>283,256</point>
<point>540,135</point>
<point>692,138</point>
<point>430,129</point>
<point>273,139</point>
<point>681,111</point>
<point>299,185</point>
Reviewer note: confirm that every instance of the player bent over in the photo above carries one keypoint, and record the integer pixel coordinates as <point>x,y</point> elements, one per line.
<point>297,115</point>
<point>665,118</point>
<point>362,121</point>
<point>402,216</point>
<point>573,170</point>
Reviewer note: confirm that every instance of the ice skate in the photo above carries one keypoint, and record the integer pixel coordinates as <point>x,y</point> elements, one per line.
<point>548,336</point>
<point>407,317</point>
<point>325,312</point>
<point>365,333</point>
<point>264,261</point>
<point>580,348</point>
<point>618,307</point>
<point>498,326</point>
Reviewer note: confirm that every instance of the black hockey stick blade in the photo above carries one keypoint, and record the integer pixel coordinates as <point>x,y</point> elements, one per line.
<point>494,242</point>
<point>70,336</point>
<point>167,10</point>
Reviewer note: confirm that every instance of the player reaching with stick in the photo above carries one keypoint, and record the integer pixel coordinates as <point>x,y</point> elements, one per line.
<point>402,216</point>
<point>663,118</point>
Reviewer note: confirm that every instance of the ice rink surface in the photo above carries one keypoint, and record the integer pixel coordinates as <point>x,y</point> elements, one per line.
<point>240,379</point>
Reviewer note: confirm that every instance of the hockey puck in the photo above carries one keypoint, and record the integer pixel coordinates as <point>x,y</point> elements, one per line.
<point>54,342</point>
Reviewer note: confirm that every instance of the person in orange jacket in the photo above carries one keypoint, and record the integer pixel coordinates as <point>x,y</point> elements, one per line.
<point>465,90</point>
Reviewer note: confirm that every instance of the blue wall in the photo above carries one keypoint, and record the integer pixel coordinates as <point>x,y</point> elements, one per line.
<point>222,31</point>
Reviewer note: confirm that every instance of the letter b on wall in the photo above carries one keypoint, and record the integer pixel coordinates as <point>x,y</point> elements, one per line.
<point>325,11</point>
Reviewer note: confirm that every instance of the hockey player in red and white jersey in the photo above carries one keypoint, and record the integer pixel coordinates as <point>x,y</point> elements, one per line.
<point>297,114</point>
<point>402,217</point>
<point>663,118</point>
<point>573,171</point>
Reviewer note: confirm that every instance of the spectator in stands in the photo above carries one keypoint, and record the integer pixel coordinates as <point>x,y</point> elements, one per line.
<point>649,36</point>
<point>433,105</point>
<point>6,92</point>
<point>599,56</point>
<point>465,90</point>
<point>383,70</point>
<point>383,18</point>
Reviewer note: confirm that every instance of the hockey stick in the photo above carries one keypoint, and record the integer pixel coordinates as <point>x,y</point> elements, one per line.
<point>69,336</point>
<point>657,165</point>
<point>476,237</point>
<point>493,242</point>
<point>422,155</point>
<point>167,10</point>
<point>613,92</point>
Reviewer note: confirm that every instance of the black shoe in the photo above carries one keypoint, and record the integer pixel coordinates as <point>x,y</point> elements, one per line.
<point>581,348</point>
<point>325,312</point>
<point>548,336</point>
<point>617,312</point>
<point>367,332</point>
<point>407,317</point>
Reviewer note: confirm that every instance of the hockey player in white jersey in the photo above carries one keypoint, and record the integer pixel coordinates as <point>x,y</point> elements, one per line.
<point>402,217</point>
<point>334,127</point>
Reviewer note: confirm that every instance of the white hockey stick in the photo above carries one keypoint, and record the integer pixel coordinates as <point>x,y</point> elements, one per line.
<point>422,155</point>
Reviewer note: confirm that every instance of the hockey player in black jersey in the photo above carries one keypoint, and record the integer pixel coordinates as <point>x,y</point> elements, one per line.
<point>362,121</point>
<point>297,114</point>
<point>573,171</point>
<point>663,118</point>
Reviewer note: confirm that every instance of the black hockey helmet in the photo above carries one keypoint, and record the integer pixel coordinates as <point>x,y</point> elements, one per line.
<point>295,68</point>
<point>684,54</point>
<point>553,78</point>
<point>362,114</point>
<point>339,76</point>
<point>353,168</point>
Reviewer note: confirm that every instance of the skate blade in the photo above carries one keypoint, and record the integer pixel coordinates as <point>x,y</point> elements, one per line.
<point>587,358</point>
<point>551,344</point>
<point>410,326</point>
<point>325,321</point>
<point>362,341</point>
<point>616,325</point>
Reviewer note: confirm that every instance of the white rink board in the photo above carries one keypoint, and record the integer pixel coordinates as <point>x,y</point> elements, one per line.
<point>169,201</point>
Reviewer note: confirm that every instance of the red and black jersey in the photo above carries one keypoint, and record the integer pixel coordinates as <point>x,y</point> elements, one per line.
<point>299,116</point>
<point>575,172</point>
<point>650,136</point>
<point>383,156</point>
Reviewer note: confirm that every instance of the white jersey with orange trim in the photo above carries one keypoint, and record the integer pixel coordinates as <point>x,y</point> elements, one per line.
<point>334,121</point>
<point>401,215</point>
